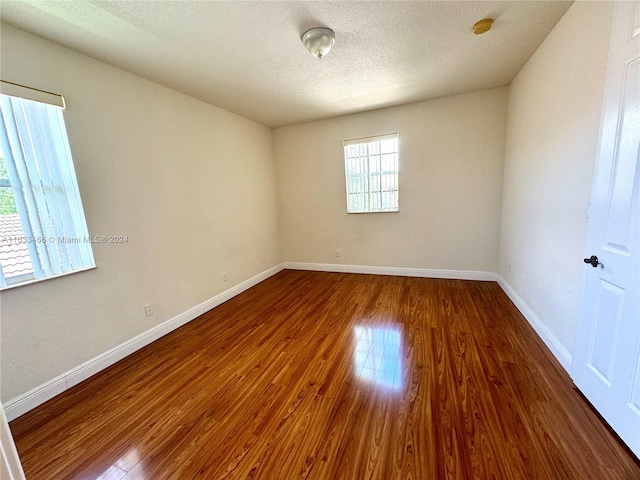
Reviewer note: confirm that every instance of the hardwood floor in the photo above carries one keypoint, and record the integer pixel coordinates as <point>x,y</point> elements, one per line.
<point>332,376</point>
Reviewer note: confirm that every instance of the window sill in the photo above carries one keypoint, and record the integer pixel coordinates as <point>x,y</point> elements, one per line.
<point>395,210</point>
<point>37,280</point>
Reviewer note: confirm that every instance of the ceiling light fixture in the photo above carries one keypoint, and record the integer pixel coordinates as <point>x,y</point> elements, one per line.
<point>482,26</point>
<point>318,41</point>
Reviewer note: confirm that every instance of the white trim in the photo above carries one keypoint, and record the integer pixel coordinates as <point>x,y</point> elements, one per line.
<point>31,399</point>
<point>10,466</point>
<point>31,280</point>
<point>557,348</point>
<point>398,271</point>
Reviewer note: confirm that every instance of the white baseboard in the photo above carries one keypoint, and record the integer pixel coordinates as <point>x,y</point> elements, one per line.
<point>398,271</point>
<point>557,348</point>
<point>31,399</point>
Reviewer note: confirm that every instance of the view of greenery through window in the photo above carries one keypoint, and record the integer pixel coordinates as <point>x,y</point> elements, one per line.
<point>7,202</point>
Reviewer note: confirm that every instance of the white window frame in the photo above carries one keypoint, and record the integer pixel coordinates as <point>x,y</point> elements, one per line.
<point>359,156</point>
<point>34,144</point>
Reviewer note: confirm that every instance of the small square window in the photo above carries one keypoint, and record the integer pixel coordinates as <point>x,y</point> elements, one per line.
<point>371,172</point>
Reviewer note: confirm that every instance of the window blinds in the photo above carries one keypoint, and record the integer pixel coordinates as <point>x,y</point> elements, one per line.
<point>29,93</point>
<point>34,144</point>
<point>371,171</point>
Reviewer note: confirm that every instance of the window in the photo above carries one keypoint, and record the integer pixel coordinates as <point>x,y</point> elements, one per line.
<point>43,232</point>
<point>371,171</point>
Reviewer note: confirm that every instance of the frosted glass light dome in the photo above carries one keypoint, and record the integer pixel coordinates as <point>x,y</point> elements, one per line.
<point>318,41</point>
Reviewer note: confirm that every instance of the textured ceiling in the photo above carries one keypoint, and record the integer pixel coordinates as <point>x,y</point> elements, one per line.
<point>247,56</point>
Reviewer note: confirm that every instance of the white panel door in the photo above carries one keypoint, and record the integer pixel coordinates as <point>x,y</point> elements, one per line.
<point>606,363</point>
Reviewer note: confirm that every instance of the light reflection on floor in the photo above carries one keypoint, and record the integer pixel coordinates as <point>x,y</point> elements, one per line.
<point>119,469</point>
<point>377,358</point>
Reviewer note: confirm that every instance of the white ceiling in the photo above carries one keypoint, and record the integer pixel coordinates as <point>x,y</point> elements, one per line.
<point>247,56</point>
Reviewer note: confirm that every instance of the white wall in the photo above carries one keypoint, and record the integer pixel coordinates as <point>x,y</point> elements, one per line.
<point>552,133</point>
<point>451,155</point>
<point>193,187</point>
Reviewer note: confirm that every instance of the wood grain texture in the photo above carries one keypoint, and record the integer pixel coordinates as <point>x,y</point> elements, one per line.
<point>332,376</point>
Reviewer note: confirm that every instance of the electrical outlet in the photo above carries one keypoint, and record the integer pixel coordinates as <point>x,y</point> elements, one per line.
<point>148,310</point>
<point>224,276</point>
<point>337,253</point>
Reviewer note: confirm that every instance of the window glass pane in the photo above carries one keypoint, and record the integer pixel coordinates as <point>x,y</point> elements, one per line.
<point>388,146</point>
<point>374,164</point>
<point>14,254</point>
<point>7,202</point>
<point>371,169</point>
<point>388,163</point>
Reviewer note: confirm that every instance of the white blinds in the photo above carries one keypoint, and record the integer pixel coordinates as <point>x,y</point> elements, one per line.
<point>371,171</point>
<point>34,144</point>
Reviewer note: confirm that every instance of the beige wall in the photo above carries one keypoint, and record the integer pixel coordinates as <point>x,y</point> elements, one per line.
<point>193,187</point>
<point>551,141</point>
<point>451,154</point>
